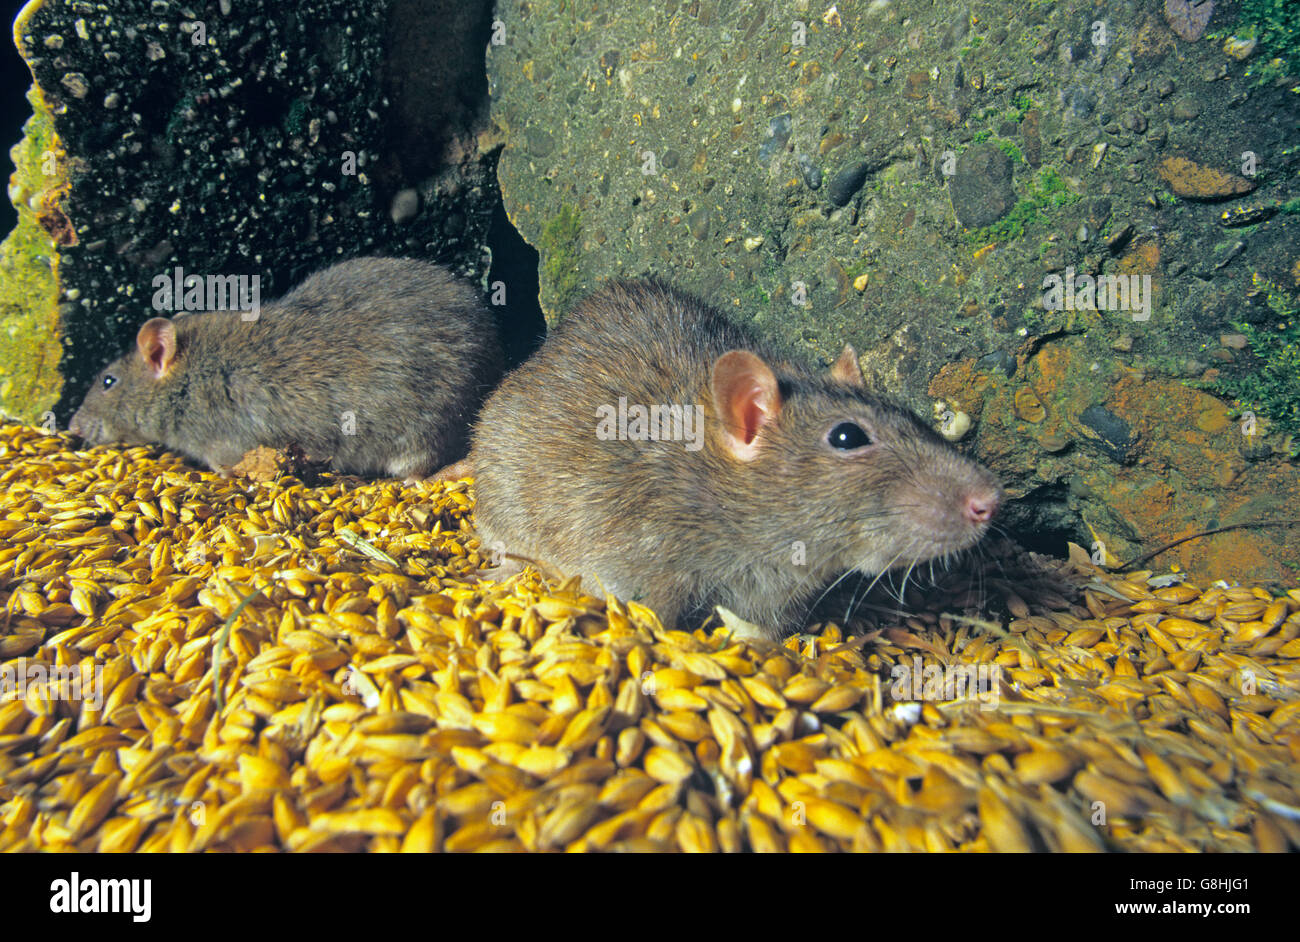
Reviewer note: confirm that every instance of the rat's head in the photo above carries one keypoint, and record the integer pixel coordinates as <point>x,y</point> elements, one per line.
<point>126,402</point>
<point>872,485</point>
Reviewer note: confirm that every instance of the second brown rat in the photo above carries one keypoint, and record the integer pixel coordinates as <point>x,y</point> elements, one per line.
<point>768,481</point>
<point>377,364</point>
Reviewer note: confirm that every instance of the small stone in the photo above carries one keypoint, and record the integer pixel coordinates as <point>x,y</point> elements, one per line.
<point>1191,180</point>
<point>153,52</point>
<point>1254,448</point>
<point>1098,212</point>
<point>1186,109</point>
<point>1239,48</point>
<point>698,223</point>
<point>1233,251</point>
<point>998,360</point>
<point>1226,475</point>
<point>811,173</point>
<point>54,41</point>
<point>1188,18</point>
<point>406,203</point>
<point>1122,344</point>
<point>1033,143</point>
<point>1028,406</point>
<point>915,85</point>
<point>1134,121</point>
<point>753,243</point>
<point>1053,441</point>
<point>778,135</point>
<point>1079,102</point>
<point>112,100</point>
<point>981,188</point>
<point>830,142</point>
<point>847,182</point>
<point>1083,234</point>
<point>539,141</point>
<point>1108,432</point>
<point>1165,87</point>
<point>1044,47</point>
<point>960,20</point>
<point>1234,341</point>
<point>76,84</point>
<point>860,282</point>
<point>1246,215</point>
<point>1119,237</point>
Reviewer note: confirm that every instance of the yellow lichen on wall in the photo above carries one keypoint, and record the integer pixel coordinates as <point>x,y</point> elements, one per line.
<point>30,351</point>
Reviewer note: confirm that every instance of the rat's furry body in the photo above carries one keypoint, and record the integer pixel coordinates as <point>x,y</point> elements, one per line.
<point>378,364</point>
<point>761,516</point>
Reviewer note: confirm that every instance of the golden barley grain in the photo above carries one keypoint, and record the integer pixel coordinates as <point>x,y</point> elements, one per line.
<point>371,706</point>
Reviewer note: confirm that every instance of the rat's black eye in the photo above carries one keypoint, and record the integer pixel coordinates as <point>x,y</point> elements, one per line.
<point>846,436</point>
<point>109,380</point>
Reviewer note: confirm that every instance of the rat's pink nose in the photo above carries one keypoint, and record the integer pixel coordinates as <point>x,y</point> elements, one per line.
<point>980,507</point>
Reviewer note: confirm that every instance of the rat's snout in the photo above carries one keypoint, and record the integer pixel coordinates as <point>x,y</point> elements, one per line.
<point>981,505</point>
<point>86,427</point>
<point>947,507</point>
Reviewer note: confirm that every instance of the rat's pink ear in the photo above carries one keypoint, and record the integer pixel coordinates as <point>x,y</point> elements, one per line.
<point>156,344</point>
<point>746,398</point>
<point>846,368</point>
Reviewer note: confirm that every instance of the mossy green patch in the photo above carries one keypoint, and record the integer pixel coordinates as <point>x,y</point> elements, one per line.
<point>1020,104</point>
<point>757,296</point>
<point>559,251</point>
<point>1273,388</point>
<point>30,383</point>
<point>1047,191</point>
<point>858,267</point>
<point>1276,24</point>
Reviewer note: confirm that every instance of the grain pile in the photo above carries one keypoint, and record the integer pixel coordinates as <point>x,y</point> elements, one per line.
<point>366,705</point>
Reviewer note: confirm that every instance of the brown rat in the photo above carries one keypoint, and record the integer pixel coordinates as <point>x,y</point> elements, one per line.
<point>378,364</point>
<point>793,478</point>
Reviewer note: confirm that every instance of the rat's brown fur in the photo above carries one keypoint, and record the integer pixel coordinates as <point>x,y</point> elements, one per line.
<point>401,344</point>
<point>685,530</point>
